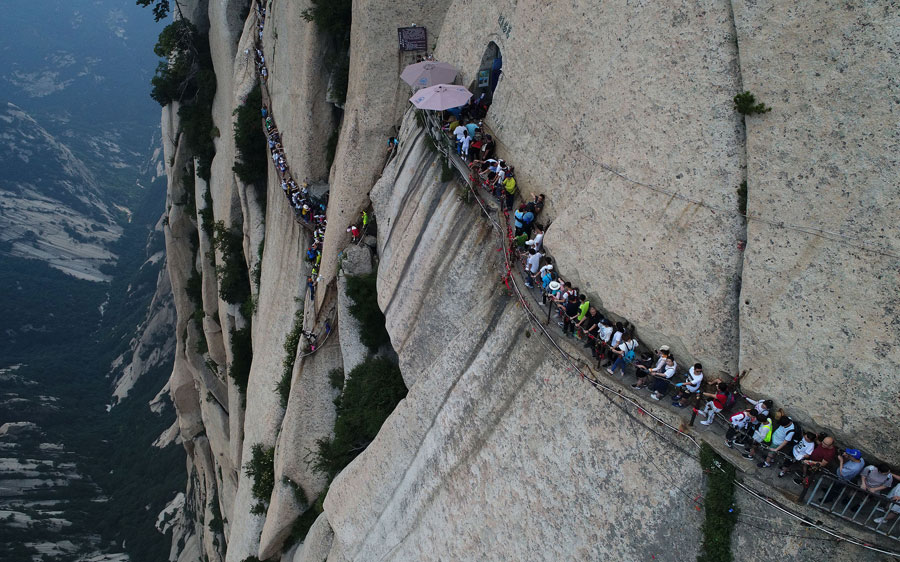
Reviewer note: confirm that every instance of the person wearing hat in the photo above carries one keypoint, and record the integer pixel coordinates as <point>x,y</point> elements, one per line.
<point>661,355</point>
<point>552,291</point>
<point>850,464</point>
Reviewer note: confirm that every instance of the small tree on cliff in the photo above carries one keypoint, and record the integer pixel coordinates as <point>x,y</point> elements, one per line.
<point>160,7</point>
<point>745,104</point>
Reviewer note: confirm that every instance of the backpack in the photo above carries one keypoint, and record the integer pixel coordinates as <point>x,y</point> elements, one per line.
<point>798,434</point>
<point>629,354</point>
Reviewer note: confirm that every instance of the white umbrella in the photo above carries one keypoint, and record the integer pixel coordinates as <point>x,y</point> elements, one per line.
<point>428,73</point>
<point>440,97</point>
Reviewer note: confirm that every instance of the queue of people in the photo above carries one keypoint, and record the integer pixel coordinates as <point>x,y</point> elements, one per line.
<point>767,435</point>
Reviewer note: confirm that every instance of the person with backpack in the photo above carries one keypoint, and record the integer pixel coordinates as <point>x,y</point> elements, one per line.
<point>738,424</point>
<point>762,436</point>
<point>782,438</point>
<point>625,353</point>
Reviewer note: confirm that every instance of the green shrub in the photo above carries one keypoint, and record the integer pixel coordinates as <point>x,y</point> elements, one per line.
<point>257,267</point>
<point>188,200</point>
<point>234,279</point>
<point>290,354</point>
<point>241,357</point>
<point>336,378</point>
<point>720,514</point>
<point>252,164</point>
<point>207,221</point>
<point>742,197</point>
<point>362,289</point>
<point>216,525</point>
<point>745,104</point>
<point>331,16</point>
<point>160,8</point>
<point>197,122</point>
<point>261,468</point>
<point>186,75</point>
<point>373,390</point>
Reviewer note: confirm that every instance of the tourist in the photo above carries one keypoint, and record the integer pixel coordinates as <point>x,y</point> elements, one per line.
<point>459,132</point>
<point>533,264</point>
<point>876,479</point>
<point>762,435</point>
<point>660,384</point>
<point>781,438</point>
<point>894,496</point>
<point>571,311</point>
<point>643,369</point>
<point>522,218</point>
<point>488,148</point>
<point>589,324</point>
<point>761,406</point>
<point>738,424</point>
<point>509,187</point>
<point>538,241</point>
<point>800,452</point>
<point>823,455</point>
<point>624,352</point>
<point>715,404</point>
<point>690,387</point>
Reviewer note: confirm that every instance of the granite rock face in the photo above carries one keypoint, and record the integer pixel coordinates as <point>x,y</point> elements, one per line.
<point>820,299</point>
<point>622,114</point>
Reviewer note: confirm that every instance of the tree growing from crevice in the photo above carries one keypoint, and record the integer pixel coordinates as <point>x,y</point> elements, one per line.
<point>745,103</point>
<point>719,512</point>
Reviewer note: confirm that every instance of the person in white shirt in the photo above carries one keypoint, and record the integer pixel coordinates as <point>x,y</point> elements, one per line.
<point>691,385</point>
<point>459,132</point>
<point>662,378</point>
<point>464,147</point>
<point>644,372</point>
<point>801,451</point>
<point>538,241</point>
<point>761,406</point>
<point>532,265</point>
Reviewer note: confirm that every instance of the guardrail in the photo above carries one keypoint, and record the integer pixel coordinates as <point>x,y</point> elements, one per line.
<point>851,503</point>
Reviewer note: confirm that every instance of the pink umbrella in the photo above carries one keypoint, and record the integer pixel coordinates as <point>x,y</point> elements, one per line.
<point>440,97</point>
<point>428,73</point>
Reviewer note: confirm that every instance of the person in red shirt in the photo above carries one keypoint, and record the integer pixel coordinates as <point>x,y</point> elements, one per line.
<point>823,455</point>
<point>715,405</point>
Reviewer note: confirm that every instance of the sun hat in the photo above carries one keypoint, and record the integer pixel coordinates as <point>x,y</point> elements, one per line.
<point>554,285</point>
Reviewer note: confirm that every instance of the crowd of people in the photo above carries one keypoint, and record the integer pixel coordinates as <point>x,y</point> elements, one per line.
<point>308,210</point>
<point>767,434</point>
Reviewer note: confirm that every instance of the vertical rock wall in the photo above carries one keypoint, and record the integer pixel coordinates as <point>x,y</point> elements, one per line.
<point>622,115</point>
<point>820,302</point>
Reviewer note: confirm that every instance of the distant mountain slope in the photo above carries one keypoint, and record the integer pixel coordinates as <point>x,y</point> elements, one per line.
<point>50,203</point>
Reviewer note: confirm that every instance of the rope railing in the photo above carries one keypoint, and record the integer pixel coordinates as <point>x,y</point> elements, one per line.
<point>615,396</point>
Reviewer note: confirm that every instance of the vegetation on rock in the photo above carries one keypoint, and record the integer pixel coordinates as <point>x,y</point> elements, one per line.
<point>362,289</point>
<point>720,515</point>
<point>745,104</point>
<point>241,358</point>
<point>186,75</point>
<point>291,341</point>
<point>234,279</point>
<point>261,469</point>
<point>742,197</point>
<point>373,390</point>
<point>252,164</point>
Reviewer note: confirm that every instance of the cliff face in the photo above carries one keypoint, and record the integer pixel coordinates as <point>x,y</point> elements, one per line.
<point>623,117</point>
